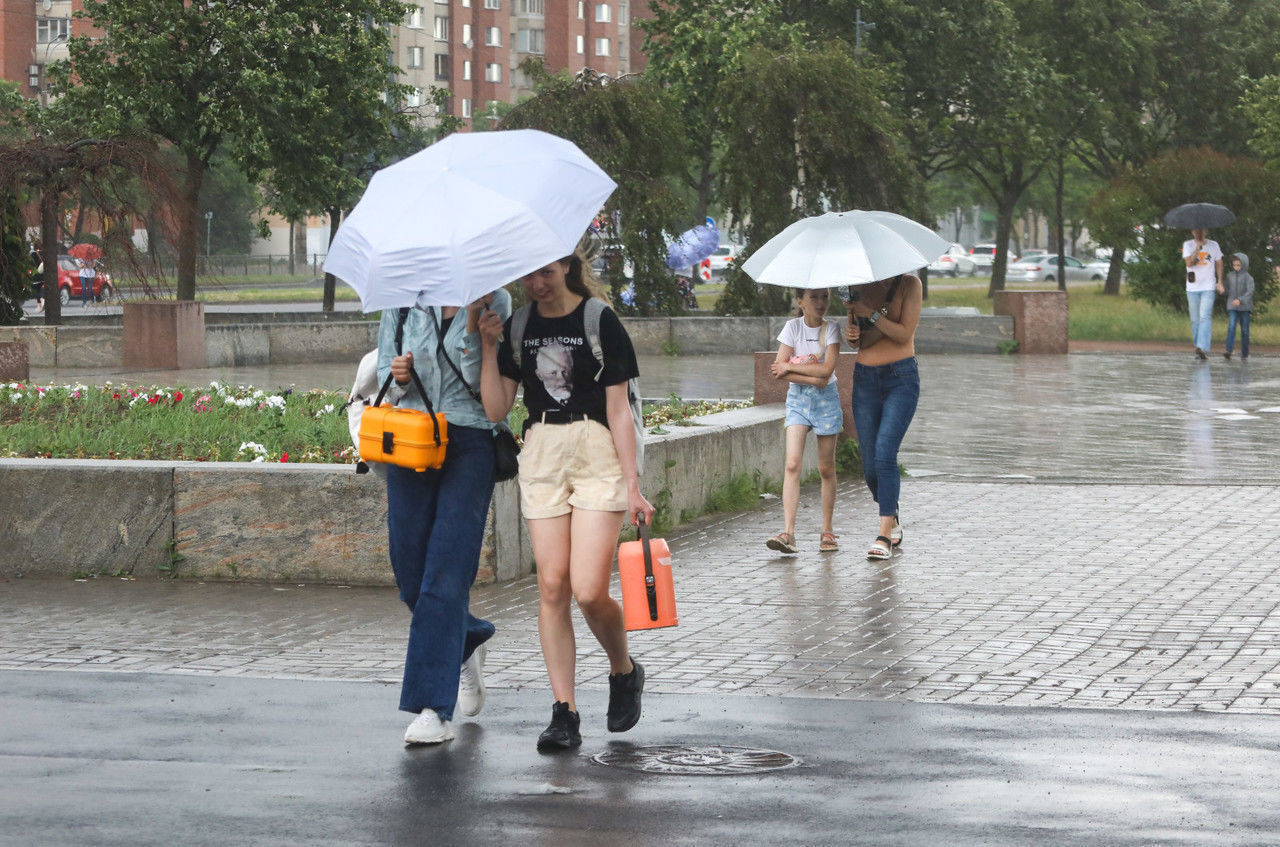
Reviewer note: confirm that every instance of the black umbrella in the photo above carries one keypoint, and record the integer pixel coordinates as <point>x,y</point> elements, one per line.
<point>1199,216</point>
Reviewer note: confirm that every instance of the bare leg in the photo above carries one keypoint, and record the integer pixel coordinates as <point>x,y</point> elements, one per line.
<point>827,470</point>
<point>595,536</point>
<point>791,475</point>
<point>550,538</point>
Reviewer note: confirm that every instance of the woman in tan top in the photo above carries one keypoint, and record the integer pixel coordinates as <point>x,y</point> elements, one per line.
<point>886,388</point>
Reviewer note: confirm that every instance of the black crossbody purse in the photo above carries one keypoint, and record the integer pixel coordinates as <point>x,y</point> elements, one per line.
<point>506,453</point>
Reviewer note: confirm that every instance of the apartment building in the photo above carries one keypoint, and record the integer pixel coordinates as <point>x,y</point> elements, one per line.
<point>34,34</point>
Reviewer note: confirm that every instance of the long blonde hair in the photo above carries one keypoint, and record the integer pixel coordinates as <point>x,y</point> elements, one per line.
<point>581,279</point>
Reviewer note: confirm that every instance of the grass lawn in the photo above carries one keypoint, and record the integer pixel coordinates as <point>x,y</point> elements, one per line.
<point>1096,317</point>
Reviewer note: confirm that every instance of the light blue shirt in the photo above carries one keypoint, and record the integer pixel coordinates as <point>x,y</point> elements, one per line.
<point>447,393</point>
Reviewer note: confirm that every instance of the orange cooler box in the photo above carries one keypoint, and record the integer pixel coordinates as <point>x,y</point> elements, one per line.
<point>648,590</point>
<point>409,438</point>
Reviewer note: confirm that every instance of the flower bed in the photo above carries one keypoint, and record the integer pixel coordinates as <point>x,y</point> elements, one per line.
<point>217,423</point>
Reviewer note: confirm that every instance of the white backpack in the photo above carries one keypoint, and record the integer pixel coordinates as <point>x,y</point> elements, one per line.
<point>591,326</point>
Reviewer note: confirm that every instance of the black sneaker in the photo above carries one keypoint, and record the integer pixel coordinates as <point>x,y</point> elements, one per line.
<point>562,733</point>
<point>624,698</point>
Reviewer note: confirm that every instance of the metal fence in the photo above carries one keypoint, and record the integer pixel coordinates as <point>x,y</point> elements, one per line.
<point>248,265</point>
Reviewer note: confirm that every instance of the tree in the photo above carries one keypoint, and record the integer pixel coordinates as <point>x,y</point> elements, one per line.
<point>629,128</point>
<point>203,74</point>
<point>1191,174</point>
<point>812,134</point>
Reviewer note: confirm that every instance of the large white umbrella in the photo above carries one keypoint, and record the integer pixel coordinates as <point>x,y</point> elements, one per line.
<point>466,216</point>
<point>844,248</point>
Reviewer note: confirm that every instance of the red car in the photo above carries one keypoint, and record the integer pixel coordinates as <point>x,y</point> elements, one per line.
<point>69,281</point>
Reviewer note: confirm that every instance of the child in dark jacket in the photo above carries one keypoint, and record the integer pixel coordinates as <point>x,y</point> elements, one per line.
<point>1238,289</point>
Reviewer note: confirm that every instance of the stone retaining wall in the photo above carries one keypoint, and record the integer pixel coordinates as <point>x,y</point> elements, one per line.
<point>306,523</point>
<point>246,344</point>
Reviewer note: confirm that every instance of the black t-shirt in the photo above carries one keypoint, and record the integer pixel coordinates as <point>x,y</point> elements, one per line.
<point>556,366</point>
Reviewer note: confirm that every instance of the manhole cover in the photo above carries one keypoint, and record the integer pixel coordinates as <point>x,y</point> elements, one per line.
<point>708,760</point>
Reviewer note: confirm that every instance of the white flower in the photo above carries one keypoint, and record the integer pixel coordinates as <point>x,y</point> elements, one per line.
<point>326,410</point>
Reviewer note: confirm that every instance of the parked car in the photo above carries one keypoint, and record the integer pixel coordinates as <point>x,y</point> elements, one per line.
<point>69,281</point>
<point>1043,267</point>
<point>955,262</point>
<point>984,256</point>
<point>720,261</point>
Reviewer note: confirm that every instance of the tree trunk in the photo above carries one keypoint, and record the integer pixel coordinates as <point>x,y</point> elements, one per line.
<point>330,281</point>
<point>49,253</point>
<point>293,244</point>
<point>187,228</point>
<point>1112,287</point>
<point>1004,225</point>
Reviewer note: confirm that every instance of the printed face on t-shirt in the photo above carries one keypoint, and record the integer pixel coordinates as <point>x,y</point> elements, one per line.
<point>555,370</point>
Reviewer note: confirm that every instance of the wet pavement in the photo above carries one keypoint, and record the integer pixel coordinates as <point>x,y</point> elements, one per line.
<point>1089,569</point>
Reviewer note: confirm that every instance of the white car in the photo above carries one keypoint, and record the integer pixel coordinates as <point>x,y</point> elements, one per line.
<point>955,262</point>
<point>721,260</point>
<point>1043,267</point>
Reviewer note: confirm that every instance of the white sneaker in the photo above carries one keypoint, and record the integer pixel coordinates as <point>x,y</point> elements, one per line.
<point>427,728</point>
<point>471,683</point>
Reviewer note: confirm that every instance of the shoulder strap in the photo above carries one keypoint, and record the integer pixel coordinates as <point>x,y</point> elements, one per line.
<point>519,321</point>
<point>445,354</point>
<point>591,325</point>
<point>404,316</point>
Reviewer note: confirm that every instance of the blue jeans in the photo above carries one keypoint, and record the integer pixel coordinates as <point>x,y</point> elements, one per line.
<point>884,402</point>
<point>1236,316</point>
<point>86,291</point>
<point>1200,307</point>
<point>435,523</point>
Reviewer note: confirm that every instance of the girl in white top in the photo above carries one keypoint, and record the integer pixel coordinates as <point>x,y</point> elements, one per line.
<point>808,349</point>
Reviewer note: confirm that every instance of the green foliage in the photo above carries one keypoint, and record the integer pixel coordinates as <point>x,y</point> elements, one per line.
<point>737,495</point>
<point>849,457</point>
<point>233,199</point>
<point>1007,347</point>
<point>629,128</point>
<point>15,263</point>
<point>1188,175</point>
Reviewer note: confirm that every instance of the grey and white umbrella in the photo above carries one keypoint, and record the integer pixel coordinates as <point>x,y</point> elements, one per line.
<point>844,248</point>
<point>1199,216</point>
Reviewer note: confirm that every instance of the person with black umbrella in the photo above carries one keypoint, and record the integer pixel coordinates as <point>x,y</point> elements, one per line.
<point>1203,258</point>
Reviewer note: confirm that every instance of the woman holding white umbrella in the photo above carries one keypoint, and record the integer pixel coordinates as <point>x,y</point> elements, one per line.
<point>874,253</point>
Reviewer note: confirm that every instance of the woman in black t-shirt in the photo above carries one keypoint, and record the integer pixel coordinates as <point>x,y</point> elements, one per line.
<point>578,476</point>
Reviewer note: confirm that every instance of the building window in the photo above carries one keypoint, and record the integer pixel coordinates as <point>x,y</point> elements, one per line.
<point>442,66</point>
<point>413,99</point>
<point>466,35</point>
<point>582,10</point>
<point>493,72</point>
<point>415,57</point>
<point>531,41</point>
<point>492,36</point>
<point>622,13</point>
<point>602,47</point>
<point>52,30</point>
<point>466,69</point>
<point>580,42</point>
<point>442,28</point>
<point>466,4</point>
<point>466,107</point>
<point>493,4</point>
<point>602,13</point>
<point>414,20</point>
<point>532,7</point>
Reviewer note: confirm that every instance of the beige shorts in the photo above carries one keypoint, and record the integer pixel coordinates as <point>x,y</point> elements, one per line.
<point>573,465</point>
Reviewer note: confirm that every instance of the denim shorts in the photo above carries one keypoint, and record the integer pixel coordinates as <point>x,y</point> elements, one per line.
<point>814,407</point>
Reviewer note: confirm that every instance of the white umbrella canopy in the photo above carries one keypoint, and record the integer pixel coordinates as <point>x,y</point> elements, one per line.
<point>844,248</point>
<point>466,216</point>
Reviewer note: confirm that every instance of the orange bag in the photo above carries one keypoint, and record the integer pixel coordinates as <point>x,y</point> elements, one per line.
<point>648,590</point>
<point>406,437</point>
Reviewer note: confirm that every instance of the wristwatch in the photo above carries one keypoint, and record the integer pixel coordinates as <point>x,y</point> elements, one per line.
<point>879,313</point>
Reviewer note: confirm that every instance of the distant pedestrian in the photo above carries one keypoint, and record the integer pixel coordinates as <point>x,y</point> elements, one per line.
<point>1238,289</point>
<point>578,472</point>
<point>808,350</point>
<point>87,276</point>
<point>1203,258</point>
<point>886,389</point>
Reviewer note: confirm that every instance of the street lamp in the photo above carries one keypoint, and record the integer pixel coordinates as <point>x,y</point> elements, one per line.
<point>208,229</point>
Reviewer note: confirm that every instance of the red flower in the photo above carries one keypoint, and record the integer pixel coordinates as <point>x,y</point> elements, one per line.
<point>115,396</point>
<point>284,457</point>
<point>153,400</point>
<point>177,396</point>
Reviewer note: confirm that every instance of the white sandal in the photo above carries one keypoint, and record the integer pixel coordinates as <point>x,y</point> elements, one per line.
<point>895,537</point>
<point>881,548</point>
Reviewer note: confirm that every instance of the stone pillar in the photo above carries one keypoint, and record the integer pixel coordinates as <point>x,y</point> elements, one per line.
<point>770,389</point>
<point>164,334</point>
<point>14,364</point>
<point>1039,319</point>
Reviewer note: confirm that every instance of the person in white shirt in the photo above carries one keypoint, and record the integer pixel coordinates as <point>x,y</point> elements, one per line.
<point>808,349</point>
<point>1203,258</point>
